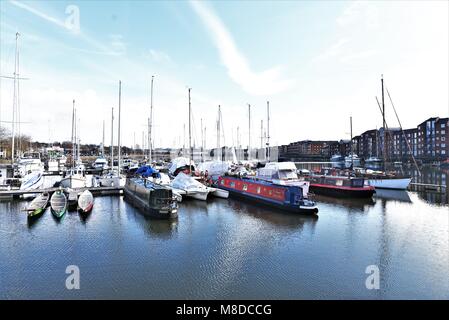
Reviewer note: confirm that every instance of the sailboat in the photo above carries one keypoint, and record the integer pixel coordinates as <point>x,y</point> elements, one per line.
<point>114,178</point>
<point>74,177</point>
<point>352,159</point>
<point>382,179</point>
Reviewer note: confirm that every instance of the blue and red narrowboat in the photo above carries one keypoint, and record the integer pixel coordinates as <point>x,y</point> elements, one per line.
<point>284,194</point>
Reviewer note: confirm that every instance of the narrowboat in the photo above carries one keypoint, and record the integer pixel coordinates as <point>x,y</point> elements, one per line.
<point>276,185</point>
<point>153,200</point>
<point>340,186</point>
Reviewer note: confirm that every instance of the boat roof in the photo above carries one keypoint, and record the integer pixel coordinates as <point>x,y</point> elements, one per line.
<point>281,165</point>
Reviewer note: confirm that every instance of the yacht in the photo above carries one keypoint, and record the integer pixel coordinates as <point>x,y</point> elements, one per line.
<point>29,162</point>
<point>352,160</point>
<point>100,164</point>
<point>74,178</point>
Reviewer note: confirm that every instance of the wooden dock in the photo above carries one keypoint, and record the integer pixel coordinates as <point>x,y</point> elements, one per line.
<point>96,191</point>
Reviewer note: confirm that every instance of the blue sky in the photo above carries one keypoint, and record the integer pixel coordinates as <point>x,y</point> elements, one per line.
<point>318,62</point>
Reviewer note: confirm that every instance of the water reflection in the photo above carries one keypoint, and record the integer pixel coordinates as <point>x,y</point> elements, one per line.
<point>158,228</point>
<point>395,195</point>
<point>359,204</point>
<point>277,218</point>
<point>430,183</point>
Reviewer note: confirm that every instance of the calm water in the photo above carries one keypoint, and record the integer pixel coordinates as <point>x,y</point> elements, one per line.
<point>230,249</point>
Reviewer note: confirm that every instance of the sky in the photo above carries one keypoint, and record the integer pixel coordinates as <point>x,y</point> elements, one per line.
<point>317,62</point>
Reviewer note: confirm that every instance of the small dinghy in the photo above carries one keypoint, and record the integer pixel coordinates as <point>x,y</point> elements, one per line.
<point>85,201</point>
<point>58,203</point>
<point>38,205</point>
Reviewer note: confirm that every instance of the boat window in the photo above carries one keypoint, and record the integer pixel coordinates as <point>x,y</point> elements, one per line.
<point>258,189</point>
<point>245,187</point>
<point>287,174</point>
<point>222,182</point>
<point>232,184</point>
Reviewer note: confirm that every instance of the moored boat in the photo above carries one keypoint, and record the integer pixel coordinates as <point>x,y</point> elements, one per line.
<point>58,203</point>
<point>276,185</point>
<point>85,201</point>
<point>340,186</point>
<point>192,187</point>
<point>74,179</point>
<point>152,199</point>
<point>32,181</point>
<point>38,205</point>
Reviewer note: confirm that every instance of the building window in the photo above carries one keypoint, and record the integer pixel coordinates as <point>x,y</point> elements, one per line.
<point>443,145</point>
<point>443,132</point>
<point>442,125</point>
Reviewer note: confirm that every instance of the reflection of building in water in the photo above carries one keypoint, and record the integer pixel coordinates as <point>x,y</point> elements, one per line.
<point>435,177</point>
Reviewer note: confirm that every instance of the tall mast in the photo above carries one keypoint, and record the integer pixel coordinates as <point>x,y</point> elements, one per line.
<point>143,144</point>
<point>149,139</point>
<point>102,143</point>
<point>151,121</point>
<point>249,131</point>
<point>73,133</point>
<point>218,130</point>
<point>268,129</point>
<point>19,136</point>
<point>14,105</point>
<point>78,137</point>
<point>352,149</point>
<point>190,132</point>
<point>202,140</point>
<point>383,123</point>
<point>112,139</point>
<point>261,134</point>
<point>75,142</point>
<point>119,113</point>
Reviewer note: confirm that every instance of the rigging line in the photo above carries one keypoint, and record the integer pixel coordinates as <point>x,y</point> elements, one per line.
<point>403,134</point>
<point>386,125</point>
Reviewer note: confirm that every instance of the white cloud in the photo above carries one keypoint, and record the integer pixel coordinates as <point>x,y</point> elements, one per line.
<point>158,56</point>
<point>262,83</point>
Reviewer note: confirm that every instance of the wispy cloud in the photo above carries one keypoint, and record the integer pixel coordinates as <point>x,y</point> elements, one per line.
<point>158,56</point>
<point>257,83</point>
<point>39,14</point>
<point>360,11</point>
<point>117,46</point>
